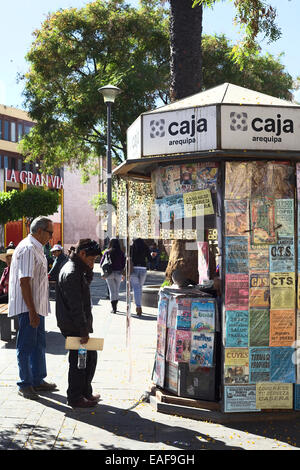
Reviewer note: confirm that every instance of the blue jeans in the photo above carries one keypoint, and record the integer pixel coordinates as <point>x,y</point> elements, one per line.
<point>113,282</point>
<point>137,280</point>
<point>31,352</point>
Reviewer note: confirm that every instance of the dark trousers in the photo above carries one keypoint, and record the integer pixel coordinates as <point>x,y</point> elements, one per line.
<point>80,380</point>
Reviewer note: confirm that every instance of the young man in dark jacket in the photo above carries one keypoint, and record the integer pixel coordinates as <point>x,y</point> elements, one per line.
<point>74,318</point>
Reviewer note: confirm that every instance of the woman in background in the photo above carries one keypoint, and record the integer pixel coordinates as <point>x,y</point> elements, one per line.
<point>140,256</point>
<point>118,265</point>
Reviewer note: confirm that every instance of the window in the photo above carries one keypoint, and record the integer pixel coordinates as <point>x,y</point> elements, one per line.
<point>5,162</point>
<point>0,128</point>
<point>13,163</point>
<point>20,131</point>
<point>20,164</point>
<point>27,129</point>
<point>13,131</point>
<point>6,130</point>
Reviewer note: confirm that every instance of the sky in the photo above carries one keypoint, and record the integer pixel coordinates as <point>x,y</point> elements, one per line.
<point>19,19</point>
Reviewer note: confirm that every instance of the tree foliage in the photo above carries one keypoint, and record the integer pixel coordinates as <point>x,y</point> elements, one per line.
<point>30,203</point>
<point>255,18</point>
<point>75,52</point>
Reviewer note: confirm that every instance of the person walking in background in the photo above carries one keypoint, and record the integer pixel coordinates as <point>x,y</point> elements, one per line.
<point>140,255</point>
<point>59,260</point>
<point>28,298</point>
<point>114,279</point>
<point>4,281</point>
<point>74,318</point>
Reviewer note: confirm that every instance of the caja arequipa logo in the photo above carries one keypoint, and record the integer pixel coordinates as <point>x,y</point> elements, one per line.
<point>157,128</point>
<point>238,121</point>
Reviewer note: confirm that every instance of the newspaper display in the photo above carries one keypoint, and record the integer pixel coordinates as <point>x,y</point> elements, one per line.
<point>282,327</point>
<point>274,395</point>
<point>236,255</point>
<point>240,398</point>
<point>237,329</point>
<point>202,349</point>
<point>260,363</point>
<point>259,327</point>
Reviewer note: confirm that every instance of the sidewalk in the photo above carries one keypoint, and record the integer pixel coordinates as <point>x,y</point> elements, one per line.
<point>120,421</point>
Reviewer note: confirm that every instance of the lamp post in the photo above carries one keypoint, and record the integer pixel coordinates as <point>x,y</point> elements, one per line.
<point>109,92</point>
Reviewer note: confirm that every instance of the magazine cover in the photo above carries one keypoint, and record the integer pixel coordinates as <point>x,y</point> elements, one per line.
<point>203,315</point>
<point>183,319</point>
<point>207,175</point>
<point>183,346</point>
<point>284,217</point>
<point>171,345</point>
<point>159,370</point>
<point>162,310</point>
<point>202,349</point>
<point>282,179</point>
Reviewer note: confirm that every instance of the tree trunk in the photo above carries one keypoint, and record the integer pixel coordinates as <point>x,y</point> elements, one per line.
<point>186,55</point>
<point>186,80</point>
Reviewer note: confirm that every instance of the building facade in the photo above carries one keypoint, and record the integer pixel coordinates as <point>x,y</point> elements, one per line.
<point>75,217</point>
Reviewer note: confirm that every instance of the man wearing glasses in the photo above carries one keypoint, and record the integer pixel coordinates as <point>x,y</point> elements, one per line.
<point>29,300</point>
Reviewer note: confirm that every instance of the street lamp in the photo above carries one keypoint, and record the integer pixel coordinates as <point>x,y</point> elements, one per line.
<point>109,93</point>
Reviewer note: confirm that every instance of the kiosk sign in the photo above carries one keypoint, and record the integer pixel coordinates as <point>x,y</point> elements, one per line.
<point>180,131</point>
<point>260,128</point>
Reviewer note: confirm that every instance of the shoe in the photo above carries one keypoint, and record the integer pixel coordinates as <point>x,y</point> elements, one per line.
<point>139,311</point>
<point>114,306</point>
<point>83,403</point>
<point>45,387</point>
<point>95,397</point>
<point>29,393</point>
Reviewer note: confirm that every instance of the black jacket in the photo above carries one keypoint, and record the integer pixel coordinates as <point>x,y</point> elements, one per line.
<point>56,267</point>
<point>73,300</point>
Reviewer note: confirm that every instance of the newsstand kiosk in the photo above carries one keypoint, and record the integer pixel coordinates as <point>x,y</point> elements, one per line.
<point>226,158</point>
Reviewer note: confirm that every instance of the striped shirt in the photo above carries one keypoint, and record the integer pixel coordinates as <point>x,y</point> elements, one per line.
<point>28,261</point>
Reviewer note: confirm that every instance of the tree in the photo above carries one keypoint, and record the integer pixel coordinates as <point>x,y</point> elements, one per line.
<point>262,73</point>
<point>30,203</point>
<point>74,53</point>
